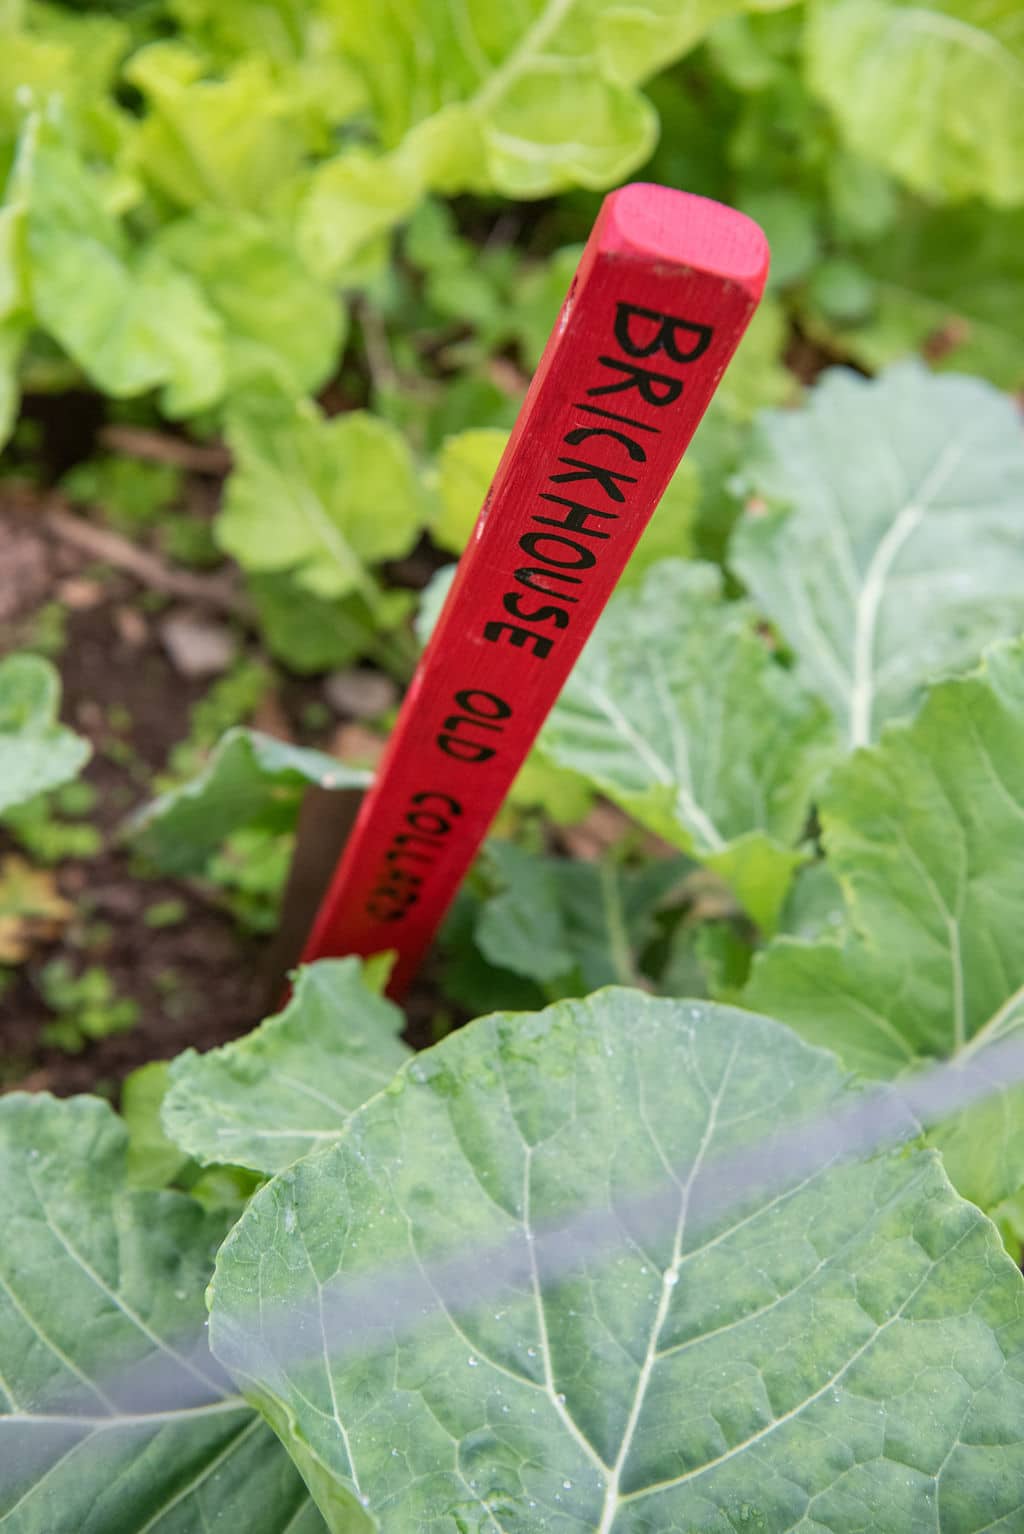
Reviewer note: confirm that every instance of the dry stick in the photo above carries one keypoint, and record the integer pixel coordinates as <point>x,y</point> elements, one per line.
<point>663,294</point>
<point>160,447</point>
<point>147,568</point>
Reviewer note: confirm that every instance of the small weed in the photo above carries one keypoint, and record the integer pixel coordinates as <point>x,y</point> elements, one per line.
<point>87,1006</point>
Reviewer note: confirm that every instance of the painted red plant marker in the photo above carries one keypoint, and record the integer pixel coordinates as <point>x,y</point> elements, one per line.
<point>663,294</point>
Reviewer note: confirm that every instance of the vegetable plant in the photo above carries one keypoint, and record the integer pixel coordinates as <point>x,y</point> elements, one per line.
<point>597,1259</point>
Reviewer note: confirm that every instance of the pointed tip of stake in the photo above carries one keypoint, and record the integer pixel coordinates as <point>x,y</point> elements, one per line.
<point>683,230</point>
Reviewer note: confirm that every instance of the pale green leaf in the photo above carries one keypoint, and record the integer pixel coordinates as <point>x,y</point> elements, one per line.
<point>250,780</point>
<point>466,466</point>
<point>891,550</point>
<point>522,99</point>
<point>564,796</point>
<point>678,711</point>
<point>313,634</point>
<point>933,92</point>
<point>152,1160</point>
<point>36,752</point>
<point>323,498</point>
<point>925,833</point>
<point>293,1083</point>
<point>230,142</point>
<point>114,1419</point>
<point>282,326</point>
<point>348,202</point>
<point>128,318</point>
<point>841,1351</point>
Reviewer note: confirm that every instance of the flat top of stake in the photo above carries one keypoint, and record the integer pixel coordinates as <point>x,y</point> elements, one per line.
<point>657,223</point>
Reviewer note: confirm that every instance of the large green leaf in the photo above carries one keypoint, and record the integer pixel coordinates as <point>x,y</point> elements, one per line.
<point>281,324</point>
<point>678,711</point>
<point>36,753</point>
<point>292,1083</point>
<point>934,93</point>
<point>128,318</point>
<point>522,99</point>
<point>839,1349</point>
<point>251,779</point>
<point>114,1419</point>
<point>230,142</point>
<point>321,497</point>
<point>890,550</point>
<point>925,833</point>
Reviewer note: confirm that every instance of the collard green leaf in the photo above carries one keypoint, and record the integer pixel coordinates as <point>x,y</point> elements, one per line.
<point>114,1418</point>
<point>925,833</point>
<point>581,924</point>
<point>678,712</point>
<point>838,1352</point>
<point>320,498</point>
<point>292,1083</point>
<point>36,752</point>
<point>891,550</point>
<point>251,779</point>
<point>875,61</point>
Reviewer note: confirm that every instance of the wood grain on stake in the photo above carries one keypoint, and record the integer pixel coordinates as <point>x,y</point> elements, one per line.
<point>663,293</point>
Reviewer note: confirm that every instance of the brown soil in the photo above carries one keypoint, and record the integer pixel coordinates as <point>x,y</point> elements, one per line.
<point>198,982</point>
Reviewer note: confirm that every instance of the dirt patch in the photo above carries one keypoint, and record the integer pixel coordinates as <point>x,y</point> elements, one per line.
<point>196,982</point>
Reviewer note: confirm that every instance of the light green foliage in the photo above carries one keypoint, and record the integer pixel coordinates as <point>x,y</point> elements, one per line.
<point>152,1160</point>
<point>857,1370</point>
<point>311,633</point>
<point>129,319</point>
<point>128,492</point>
<point>523,100</point>
<point>86,1005</point>
<point>100,1285</point>
<point>678,711</point>
<point>320,498</point>
<point>250,869</point>
<point>283,327</point>
<point>950,280</point>
<point>39,824</point>
<point>924,833</point>
<point>291,1084</point>
<point>888,552</point>
<point>36,753</point>
<point>250,780</point>
<point>876,61</point>
<point>465,467</point>
<point>231,142</point>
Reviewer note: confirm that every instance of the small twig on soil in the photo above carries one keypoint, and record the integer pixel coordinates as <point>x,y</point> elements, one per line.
<point>100,543</point>
<point>161,447</point>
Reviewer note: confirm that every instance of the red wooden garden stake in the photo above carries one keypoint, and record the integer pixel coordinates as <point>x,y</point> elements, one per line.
<point>663,294</point>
